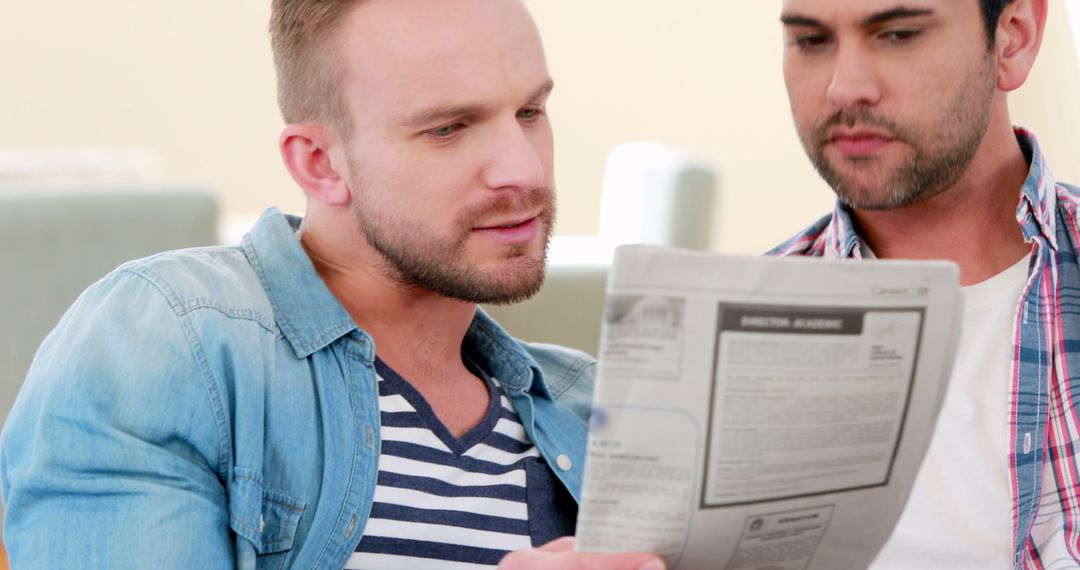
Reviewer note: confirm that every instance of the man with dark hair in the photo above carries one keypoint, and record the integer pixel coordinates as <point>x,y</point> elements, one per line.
<point>328,395</point>
<point>903,110</point>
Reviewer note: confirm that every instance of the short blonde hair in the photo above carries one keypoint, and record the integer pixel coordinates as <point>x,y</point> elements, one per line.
<point>309,73</point>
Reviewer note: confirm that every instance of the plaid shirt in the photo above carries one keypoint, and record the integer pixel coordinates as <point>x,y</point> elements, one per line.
<point>1044,404</point>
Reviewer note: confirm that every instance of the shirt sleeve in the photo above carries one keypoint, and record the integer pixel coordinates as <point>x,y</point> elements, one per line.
<point>114,453</point>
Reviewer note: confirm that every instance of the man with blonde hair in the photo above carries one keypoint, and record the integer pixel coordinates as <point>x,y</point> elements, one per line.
<point>328,395</point>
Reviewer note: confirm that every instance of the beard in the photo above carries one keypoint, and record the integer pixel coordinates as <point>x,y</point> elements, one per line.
<point>940,157</point>
<point>415,257</point>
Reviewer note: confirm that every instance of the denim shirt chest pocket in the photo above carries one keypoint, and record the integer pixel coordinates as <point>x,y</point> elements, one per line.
<point>265,518</point>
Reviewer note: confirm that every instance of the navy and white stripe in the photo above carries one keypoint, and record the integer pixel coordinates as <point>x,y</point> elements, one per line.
<point>445,502</point>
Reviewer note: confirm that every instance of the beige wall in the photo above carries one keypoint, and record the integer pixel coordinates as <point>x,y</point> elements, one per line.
<point>1049,103</point>
<point>193,81</point>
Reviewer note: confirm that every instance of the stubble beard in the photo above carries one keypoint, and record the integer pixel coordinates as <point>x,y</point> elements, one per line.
<point>418,260</point>
<point>932,169</point>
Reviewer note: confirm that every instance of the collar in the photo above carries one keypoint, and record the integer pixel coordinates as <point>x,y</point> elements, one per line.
<point>841,239</point>
<point>309,315</point>
<point>504,357</point>
<point>1035,211</point>
<point>311,318</point>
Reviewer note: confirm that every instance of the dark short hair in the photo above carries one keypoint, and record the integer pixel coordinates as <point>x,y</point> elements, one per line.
<point>991,12</point>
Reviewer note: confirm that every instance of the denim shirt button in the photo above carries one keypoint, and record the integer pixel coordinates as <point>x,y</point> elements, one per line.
<point>564,462</point>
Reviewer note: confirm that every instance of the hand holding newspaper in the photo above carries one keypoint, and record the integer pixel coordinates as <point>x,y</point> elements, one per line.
<point>763,413</point>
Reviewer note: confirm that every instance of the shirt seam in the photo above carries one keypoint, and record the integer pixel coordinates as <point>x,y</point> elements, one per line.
<point>194,305</point>
<point>213,395</point>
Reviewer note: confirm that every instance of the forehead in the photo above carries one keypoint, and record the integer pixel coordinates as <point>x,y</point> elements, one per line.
<point>423,52</point>
<point>848,12</point>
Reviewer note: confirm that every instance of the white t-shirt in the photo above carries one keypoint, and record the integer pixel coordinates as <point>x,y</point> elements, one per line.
<point>959,514</point>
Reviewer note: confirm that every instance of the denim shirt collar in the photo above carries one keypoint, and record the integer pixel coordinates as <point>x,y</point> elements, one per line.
<point>1034,211</point>
<point>507,360</point>
<point>309,315</point>
<point>311,318</point>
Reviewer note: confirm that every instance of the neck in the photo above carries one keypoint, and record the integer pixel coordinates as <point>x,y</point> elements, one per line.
<point>972,223</point>
<point>416,332</point>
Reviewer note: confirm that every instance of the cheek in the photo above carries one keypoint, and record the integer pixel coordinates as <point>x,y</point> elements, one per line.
<point>807,93</point>
<point>395,194</point>
<point>433,195</point>
<point>806,114</point>
<point>542,141</point>
<point>927,95</point>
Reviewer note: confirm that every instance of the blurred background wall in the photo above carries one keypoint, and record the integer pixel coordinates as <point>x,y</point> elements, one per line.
<point>193,82</point>
<point>188,89</point>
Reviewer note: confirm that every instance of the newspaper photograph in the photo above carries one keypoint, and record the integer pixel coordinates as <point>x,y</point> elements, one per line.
<point>763,413</point>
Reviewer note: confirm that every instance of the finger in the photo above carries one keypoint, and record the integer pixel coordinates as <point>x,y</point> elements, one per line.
<point>562,544</point>
<point>609,561</point>
<point>536,559</point>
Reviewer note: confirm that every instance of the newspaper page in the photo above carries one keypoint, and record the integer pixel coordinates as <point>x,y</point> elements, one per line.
<point>763,413</point>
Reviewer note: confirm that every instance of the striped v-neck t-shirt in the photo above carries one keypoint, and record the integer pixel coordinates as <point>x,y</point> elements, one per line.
<point>456,503</point>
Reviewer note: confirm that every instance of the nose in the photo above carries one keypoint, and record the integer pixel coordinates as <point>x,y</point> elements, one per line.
<point>854,82</point>
<point>516,157</point>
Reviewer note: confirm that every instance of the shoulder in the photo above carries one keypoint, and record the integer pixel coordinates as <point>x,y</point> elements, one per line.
<point>154,345</point>
<point>159,328</point>
<point>124,359</point>
<point>218,280</point>
<point>1068,194</point>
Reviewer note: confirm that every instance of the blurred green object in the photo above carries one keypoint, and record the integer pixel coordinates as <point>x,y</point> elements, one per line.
<point>56,241</point>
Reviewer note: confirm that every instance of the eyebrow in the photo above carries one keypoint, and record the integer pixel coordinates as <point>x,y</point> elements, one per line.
<point>877,18</point>
<point>895,14</point>
<point>442,112</point>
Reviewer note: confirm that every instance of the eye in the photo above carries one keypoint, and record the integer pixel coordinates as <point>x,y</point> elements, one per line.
<point>530,113</point>
<point>898,36</point>
<point>446,131</point>
<point>811,43</point>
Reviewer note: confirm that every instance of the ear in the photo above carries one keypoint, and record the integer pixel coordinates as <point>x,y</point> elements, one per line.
<point>1019,36</point>
<point>306,151</point>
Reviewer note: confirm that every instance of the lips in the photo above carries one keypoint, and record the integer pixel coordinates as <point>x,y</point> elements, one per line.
<point>511,231</point>
<point>507,224</point>
<point>859,142</point>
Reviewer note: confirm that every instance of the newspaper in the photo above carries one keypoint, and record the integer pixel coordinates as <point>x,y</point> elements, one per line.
<point>763,413</point>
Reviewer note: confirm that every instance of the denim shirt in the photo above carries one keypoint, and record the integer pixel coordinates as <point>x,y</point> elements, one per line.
<point>219,407</point>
